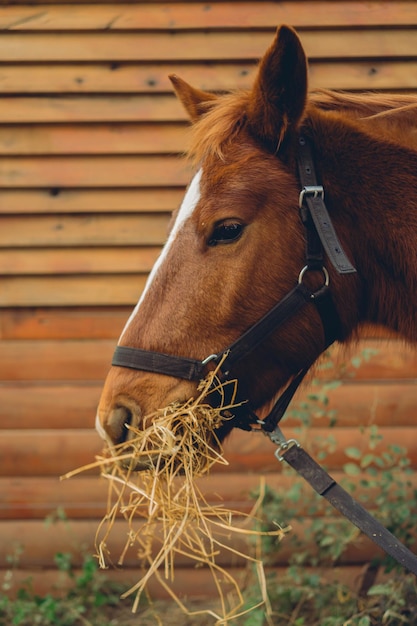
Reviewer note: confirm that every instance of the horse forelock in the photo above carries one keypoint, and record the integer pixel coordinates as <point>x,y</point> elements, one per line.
<point>218,127</point>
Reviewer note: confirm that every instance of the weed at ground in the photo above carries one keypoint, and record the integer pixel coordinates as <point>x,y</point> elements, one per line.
<point>83,604</point>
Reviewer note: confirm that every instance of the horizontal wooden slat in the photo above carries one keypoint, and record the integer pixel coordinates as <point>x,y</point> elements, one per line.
<point>38,497</point>
<point>121,77</point>
<point>59,200</point>
<point>50,406</point>
<point>183,15</point>
<point>55,360</point>
<point>200,46</point>
<point>85,497</point>
<point>78,536</point>
<point>363,75</point>
<point>73,405</point>
<point>93,139</point>
<point>151,78</point>
<point>60,360</point>
<point>78,261</point>
<point>84,171</point>
<point>34,452</point>
<point>72,290</point>
<point>100,108</point>
<point>83,230</point>
<point>47,452</point>
<point>63,323</point>
<point>193,585</point>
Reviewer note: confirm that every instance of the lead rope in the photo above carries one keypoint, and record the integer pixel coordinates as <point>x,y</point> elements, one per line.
<point>292,453</point>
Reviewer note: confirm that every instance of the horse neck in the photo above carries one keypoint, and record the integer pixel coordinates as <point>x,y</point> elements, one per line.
<point>371,190</point>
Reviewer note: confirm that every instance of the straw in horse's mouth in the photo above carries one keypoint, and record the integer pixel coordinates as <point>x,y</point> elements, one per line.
<point>181,435</point>
<point>138,465</point>
<point>152,486</point>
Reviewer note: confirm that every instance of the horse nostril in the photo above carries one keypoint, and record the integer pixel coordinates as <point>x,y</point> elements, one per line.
<point>116,426</point>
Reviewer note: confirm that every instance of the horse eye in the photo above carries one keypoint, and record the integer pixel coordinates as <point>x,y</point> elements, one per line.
<point>226,232</point>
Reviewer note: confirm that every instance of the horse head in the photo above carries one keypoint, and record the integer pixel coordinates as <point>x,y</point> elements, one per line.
<point>236,246</point>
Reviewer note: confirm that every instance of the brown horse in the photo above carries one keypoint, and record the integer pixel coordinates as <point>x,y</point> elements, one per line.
<point>237,244</point>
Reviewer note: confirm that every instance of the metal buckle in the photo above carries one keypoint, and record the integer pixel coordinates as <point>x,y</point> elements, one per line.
<point>310,190</point>
<point>286,446</point>
<point>278,437</point>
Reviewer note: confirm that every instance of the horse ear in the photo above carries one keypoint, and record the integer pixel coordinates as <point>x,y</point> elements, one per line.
<point>279,94</point>
<point>193,100</point>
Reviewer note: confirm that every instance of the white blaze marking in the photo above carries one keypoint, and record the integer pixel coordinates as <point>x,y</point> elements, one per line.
<point>188,205</point>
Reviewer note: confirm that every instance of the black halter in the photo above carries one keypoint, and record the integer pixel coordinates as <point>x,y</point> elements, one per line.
<point>320,237</point>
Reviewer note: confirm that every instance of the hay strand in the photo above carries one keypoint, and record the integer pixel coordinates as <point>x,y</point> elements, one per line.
<point>166,512</point>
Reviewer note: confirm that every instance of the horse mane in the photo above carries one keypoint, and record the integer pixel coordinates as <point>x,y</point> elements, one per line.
<point>365,104</point>
<point>225,116</point>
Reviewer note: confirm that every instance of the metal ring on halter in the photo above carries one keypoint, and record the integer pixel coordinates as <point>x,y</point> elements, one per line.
<point>308,269</point>
<point>211,357</point>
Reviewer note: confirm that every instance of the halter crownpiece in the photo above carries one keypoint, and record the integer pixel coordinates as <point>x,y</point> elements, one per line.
<point>312,195</point>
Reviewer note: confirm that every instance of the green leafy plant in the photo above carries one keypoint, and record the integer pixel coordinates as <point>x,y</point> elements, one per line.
<point>379,476</point>
<point>82,605</point>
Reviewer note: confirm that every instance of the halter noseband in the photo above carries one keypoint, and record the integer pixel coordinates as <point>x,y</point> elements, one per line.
<point>320,236</point>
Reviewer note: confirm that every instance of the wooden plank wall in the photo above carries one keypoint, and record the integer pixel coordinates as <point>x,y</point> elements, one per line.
<point>90,138</point>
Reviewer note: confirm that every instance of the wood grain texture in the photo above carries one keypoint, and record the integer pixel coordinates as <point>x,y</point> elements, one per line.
<point>121,138</point>
<point>72,290</point>
<point>78,537</point>
<point>72,404</point>
<point>100,200</point>
<point>83,230</point>
<point>94,171</point>
<point>183,15</point>
<point>206,45</point>
<point>152,78</point>
<point>188,583</point>
<point>43,452</point>
<point>85,496</point>
<point>97,260</point>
